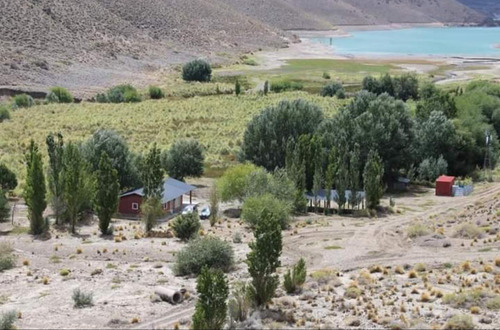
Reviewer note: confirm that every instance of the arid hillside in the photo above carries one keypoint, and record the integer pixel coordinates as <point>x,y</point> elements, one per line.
<point>96,43</point>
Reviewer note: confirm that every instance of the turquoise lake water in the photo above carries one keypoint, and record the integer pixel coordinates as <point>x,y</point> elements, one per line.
<point>447,41</point>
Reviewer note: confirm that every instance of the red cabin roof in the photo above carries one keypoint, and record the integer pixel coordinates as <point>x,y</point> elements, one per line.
<point>444,178</point>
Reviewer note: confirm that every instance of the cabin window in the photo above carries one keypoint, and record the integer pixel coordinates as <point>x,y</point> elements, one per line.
<point>135,206</point>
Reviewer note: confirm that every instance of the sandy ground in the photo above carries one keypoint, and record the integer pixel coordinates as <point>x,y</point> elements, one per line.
<point>338,249</point>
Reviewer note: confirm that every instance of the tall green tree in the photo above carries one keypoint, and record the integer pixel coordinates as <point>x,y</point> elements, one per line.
<point>373,174</point>
<point>354,177</point>
<point>264,259</point>
<point>211,307</point>
<point>4,207</point>
<point>233,183</point>
<point>268,133</point>
<point>184,159</point>
<point>152,175</point>
<point>330,180</point>
<point>122,158</point>
<point>35,190</point>
<point>107,190</point>
<point>75,183</point>
<point>317,186</point>
<point>55,149</point>
<point>342,181</point>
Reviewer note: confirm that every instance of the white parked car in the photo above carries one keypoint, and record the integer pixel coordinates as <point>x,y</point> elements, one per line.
<point>205,213</point>
<point>190,209</point>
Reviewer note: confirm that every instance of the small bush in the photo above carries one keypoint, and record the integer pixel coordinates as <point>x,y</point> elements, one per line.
<point>207,251</point>
<point>121,94</point>
<point>61,94</point>
<point>237,238</point>
<point>331,89</point>
<point>186,226</point>
<point>4,113</point>
<point>296,278</point>
<point>239,303</point>
<point>493,303</point>
<point>64,272</point>
<point>353,292</point>
<point>82,299</point>
<point>101,98</point>
<point>340,94</point>
<point>197,70</point>
<point>326,75</point>
<point>468,230</point>
<point>7,320</point>
<point>466,299</point>
<point>7,260</point>
<point>23,101</point>
<point>460,322</point>
<point>254,207</point>
<point>155,93</point>
<point>286,85</point>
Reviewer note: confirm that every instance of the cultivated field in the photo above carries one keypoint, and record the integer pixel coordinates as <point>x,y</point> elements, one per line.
<point>218,122</point>
<point>362,272</point>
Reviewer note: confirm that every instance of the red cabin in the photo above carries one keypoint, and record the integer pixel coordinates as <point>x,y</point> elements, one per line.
<point>444,185</point>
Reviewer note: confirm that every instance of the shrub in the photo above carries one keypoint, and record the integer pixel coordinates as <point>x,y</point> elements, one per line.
<point>466,299</point>
<point>331,89</point>
<point>7,260</point>
<point>61,94</point>
<point>493,303</point>
<point>101,98</point>
<point>23,101</point>
<point>340,94</point>
<point>417,230</point>
<point>295,279</point>
<point>64,272</point>
<point>460,322</point>
<point>468,230</point>
<point>4,113</point>
<point>186,226</point>
<point>211,307</point>
<point>286,85</point>
<point>7,320</point>
<point>237,238</point>
<point>254,207</point>
<point>239,303</point>
<point>155,93</point>
<point>82,299</point>
<point>197,70</point>
<point>207,251</point>
<point>123,93</point>
<point>326,75</point>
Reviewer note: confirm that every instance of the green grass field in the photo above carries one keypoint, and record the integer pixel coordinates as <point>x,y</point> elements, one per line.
<point>218,122</point>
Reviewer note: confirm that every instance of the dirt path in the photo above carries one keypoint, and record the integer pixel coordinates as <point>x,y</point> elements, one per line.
<point>380,241</point>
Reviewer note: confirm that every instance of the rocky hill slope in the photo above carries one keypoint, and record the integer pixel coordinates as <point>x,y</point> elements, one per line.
<point>91,43</point>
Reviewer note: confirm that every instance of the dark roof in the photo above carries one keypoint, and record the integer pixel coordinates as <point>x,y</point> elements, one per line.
<point>172,189</point>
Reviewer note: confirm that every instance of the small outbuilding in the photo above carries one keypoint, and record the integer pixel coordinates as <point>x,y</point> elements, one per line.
<point>172,199</point>
<point>444,185</point>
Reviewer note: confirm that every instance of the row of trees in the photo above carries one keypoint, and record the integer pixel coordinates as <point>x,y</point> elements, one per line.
<point>90,176</point>
<point>443,128</point>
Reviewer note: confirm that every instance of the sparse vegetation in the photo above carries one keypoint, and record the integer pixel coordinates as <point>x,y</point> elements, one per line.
<point>23,101</point>
<point>460,322</point>
<point>7,320</point>
<point>417,230</point>
<point>59,95</point>
<point>468,230</point>
<point>155,93</point>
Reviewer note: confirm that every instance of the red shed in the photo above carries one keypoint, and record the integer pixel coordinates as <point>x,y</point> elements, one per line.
<point>444,185</point>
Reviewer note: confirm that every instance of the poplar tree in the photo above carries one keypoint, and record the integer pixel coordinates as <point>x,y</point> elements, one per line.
<point>35,190</point>
<point>211,307</point>
<point>263,259</point>
<point>372,177</point>
<point>108,188</point>
<point>75,185</point>
<point>55,149</point>
<point>152,177</point>
<point>341,182</point>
